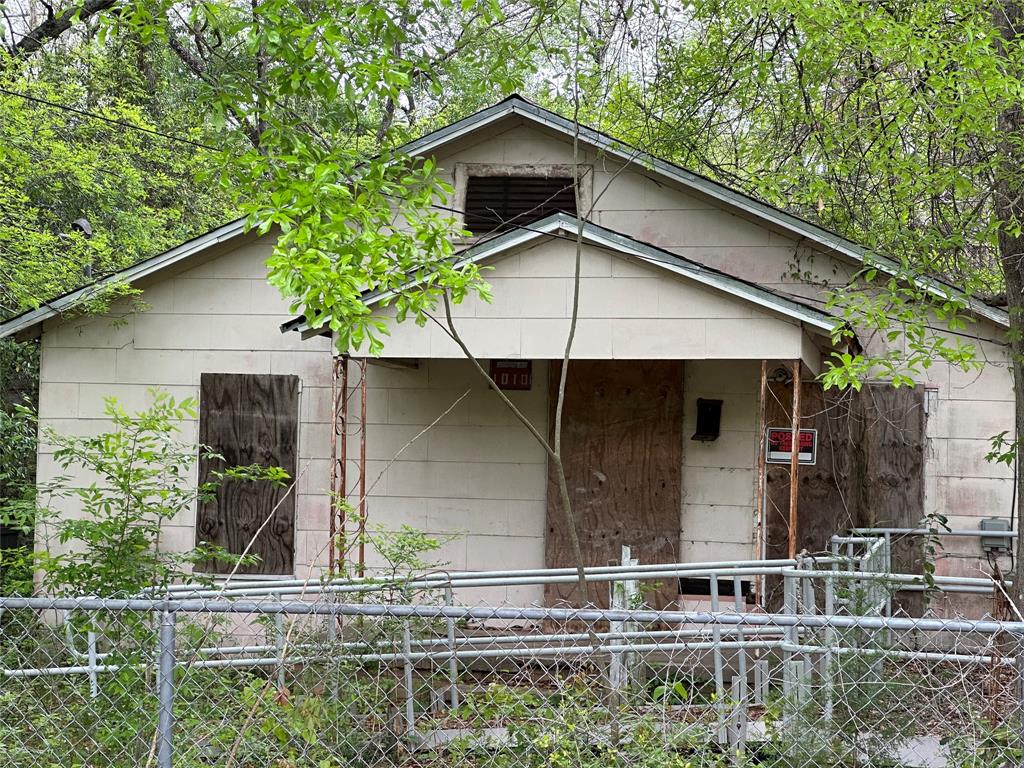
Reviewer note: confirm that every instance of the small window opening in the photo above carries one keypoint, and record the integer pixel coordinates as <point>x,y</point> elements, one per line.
<point>500,203</point>
<point>701,587</point>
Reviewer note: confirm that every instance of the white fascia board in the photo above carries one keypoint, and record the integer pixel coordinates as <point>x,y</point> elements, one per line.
<point>716,280</point>
<point>128,275</point>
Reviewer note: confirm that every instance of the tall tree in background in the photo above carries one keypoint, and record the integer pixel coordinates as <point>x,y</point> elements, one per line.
<point>139,191</point>
<point>896,124</point>
<point>1009,212</point>
<point>66,155</point>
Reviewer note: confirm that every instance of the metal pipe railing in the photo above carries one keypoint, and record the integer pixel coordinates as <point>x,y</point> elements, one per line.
<point>271,608</point>
<point>469,579</point>
<point>933,532</point>
<point>865,561</point>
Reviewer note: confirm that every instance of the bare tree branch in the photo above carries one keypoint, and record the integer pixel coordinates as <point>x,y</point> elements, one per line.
<point>56,25</point>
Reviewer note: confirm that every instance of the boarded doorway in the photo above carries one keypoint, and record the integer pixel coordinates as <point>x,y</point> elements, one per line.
<point>622,443</point>
<point>869,471</point>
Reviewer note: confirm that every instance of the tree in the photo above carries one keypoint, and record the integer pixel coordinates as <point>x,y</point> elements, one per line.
<point>66,155</point>
<point>896,124</point>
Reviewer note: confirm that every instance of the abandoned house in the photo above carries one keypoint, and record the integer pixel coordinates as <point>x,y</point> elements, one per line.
<point>701,320</point>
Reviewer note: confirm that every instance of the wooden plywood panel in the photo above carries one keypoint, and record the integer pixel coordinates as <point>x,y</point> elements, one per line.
<point>869,469</point>
<point>827,497</point>
<point>249,419</point>
<point>894,441</point>
<point>622,452</point>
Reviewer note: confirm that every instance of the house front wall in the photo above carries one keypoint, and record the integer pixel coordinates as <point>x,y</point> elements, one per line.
<point>476,474</point>
<point>476,480</point>
<point>965,408</point>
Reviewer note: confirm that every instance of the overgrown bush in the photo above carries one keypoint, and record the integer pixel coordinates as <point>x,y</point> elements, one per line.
<point>100,523</point>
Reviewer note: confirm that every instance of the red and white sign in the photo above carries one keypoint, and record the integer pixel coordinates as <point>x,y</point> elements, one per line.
<point>779,445</point>
<point>512,374</point>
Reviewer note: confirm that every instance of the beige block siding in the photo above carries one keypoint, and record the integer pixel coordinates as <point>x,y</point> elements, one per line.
<point>476,479</point>
<point>966,409</point>
<point>653,210</point>
<point>217,316</point>
<point>627,311</point>
<point>717,516</point>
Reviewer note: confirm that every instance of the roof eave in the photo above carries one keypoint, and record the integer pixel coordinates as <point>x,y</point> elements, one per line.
<point>830,241</point>
<point>820,322</point>
<point>27,321</point>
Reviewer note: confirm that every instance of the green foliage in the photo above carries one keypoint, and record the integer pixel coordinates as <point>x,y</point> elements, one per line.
<point>17,470</point>
<point>878,121</point>
<point>17,497</point>
<point>497,704</point>
<point>985,745</point>
<point>676,692</point>
<point>139,192</point>
<point>572,727</point>
<point>129,483</point>
<point>352,216</point>
<point>935,523</point>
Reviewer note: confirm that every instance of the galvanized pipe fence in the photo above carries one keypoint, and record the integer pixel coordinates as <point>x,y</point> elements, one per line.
<point>336,672</point>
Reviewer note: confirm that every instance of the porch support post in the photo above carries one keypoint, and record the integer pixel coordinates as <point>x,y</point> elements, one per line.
<point>333,497</point>
<point>362,467</point>
<point>794,459</point>
<point>341,487</point>
<point>760,534</point>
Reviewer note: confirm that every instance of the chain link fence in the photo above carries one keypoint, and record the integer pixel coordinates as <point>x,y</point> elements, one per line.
<point>298,675</point>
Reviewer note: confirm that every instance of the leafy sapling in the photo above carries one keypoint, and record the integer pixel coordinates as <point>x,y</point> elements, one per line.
<point>140,480</point>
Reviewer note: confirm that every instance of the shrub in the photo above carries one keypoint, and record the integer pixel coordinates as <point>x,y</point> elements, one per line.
<point>141,479</point>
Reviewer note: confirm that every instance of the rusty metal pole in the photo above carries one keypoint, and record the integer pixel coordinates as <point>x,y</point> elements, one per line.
<point>362,467</point>
<point>341,489</point>
<point>794,459</point>
<point>760,530</point>
<point>331,499</point>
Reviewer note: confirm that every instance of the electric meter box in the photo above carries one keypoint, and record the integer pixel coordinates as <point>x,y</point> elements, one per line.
<point>995,543</point>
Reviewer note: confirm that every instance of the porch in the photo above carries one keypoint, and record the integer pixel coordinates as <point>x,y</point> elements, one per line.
<point>424,439</point>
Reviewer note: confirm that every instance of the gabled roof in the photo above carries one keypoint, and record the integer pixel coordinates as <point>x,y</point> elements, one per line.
<point>566,226</point>
<point>137,271</point>
<point>829,241</point>
<point>517,106</point>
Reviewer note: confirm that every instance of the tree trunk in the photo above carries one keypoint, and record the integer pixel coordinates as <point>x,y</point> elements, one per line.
<point>1009,210</point>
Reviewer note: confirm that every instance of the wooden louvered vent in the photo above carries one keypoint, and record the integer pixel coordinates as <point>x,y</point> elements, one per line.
<point>500,203</point>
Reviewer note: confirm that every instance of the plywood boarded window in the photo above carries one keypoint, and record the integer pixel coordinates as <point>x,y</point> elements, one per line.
<point>249,419</point>
<point>500,203</point>
<point>869,471</point>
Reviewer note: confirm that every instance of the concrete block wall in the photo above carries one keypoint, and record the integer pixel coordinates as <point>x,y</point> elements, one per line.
<point>719,477</point>
<point>966,409</point>
<point>218,316</point>
<point>476,480</point>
